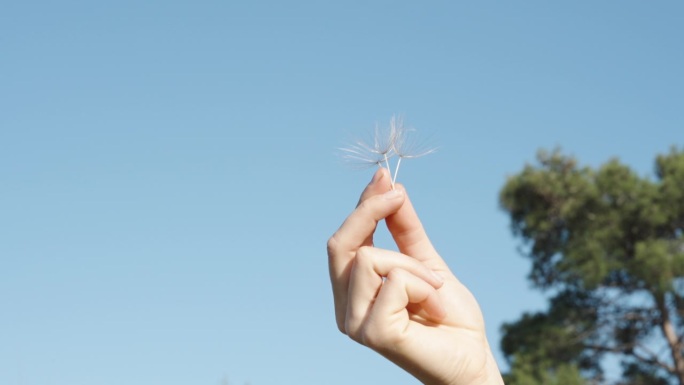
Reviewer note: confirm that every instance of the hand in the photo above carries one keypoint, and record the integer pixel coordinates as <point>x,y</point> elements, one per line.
<point>406,305</point>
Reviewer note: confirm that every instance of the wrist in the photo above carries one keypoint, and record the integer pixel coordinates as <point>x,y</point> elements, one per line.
<point>490,375</point>
<point>493,378</point>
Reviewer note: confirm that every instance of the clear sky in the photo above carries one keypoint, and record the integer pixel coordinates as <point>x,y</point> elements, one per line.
<point>168,176</point>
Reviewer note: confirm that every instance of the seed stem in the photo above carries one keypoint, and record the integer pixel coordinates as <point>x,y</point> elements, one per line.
<point>389,170</point>
<point>396,172</point>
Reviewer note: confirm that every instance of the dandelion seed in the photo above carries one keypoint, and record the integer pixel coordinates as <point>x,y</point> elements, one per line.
<point>374,152</point>
<point>395,140</point>
<point>406,145</point>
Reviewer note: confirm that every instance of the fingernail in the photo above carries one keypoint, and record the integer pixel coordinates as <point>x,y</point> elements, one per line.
<point>392,194</point>
<point>377,176</point>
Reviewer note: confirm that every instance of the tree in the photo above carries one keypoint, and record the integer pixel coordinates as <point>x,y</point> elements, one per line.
<point>608,247</point>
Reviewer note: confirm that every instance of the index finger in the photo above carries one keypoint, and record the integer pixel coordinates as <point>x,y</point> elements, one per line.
<point>357,231</point>
<point>358,228</point>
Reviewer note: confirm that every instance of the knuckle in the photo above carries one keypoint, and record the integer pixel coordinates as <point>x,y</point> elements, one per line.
<point>368,338</point>
<point>396,274</point>
<point>352,332</point>
<point>363,205</point>
<point>356,337</point>
<point>332,245</point>
<point>341,327</point>
<point>379,337</point>
<point>368,208</point>
<point>364,255</point>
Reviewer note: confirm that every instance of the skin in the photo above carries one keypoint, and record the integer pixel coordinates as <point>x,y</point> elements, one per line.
<point>406,305</point>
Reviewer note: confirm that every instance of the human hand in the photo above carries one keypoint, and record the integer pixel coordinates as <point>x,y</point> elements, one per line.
<point>406,305</point>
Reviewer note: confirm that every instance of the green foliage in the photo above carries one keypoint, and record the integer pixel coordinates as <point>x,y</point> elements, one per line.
<point>557,336</point>
<point>525,373</point>
<point>639,374</point>
<point>610,244</point>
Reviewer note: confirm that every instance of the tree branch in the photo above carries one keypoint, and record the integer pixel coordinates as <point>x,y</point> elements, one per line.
<point>652,359</point>
<point>671,337</point>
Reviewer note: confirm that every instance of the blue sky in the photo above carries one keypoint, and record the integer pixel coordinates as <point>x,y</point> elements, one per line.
<point>169,174</point>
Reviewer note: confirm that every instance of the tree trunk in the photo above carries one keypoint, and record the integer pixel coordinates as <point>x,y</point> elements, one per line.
<point>670,335</point>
